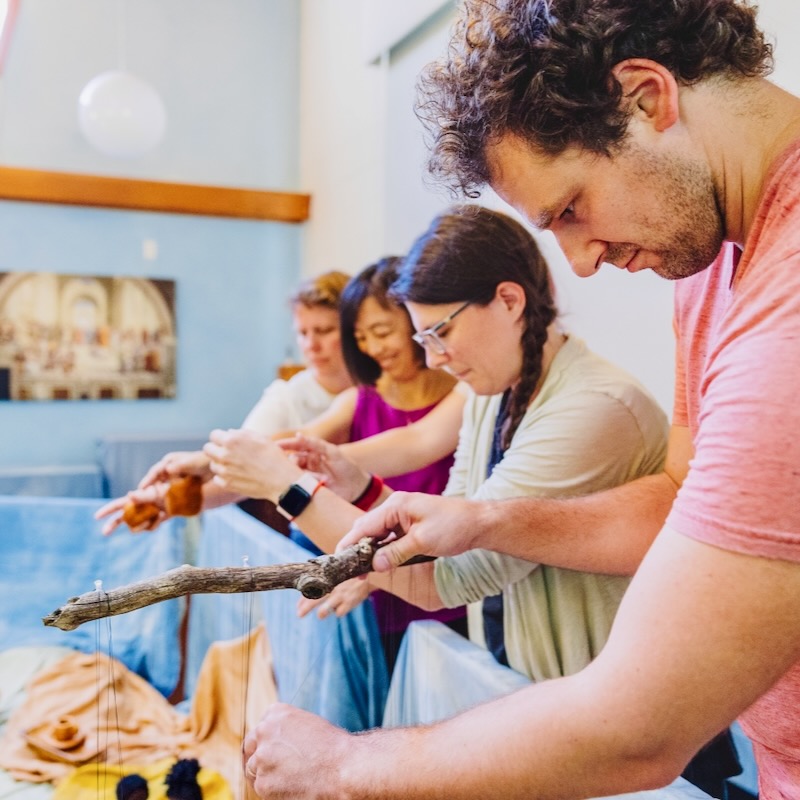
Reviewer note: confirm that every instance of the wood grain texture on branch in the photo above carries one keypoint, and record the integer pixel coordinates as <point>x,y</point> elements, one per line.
<point>313,578</point>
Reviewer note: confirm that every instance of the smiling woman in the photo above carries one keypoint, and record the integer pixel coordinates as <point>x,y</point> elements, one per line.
<point>394,389</point>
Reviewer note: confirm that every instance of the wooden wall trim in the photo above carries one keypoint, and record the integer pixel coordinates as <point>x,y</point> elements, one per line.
<point>141,195</point>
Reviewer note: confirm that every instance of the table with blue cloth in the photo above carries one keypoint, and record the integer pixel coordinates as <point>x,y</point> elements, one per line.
<point>333,667</point>
<point>52,549</point>
<point>57,480</point>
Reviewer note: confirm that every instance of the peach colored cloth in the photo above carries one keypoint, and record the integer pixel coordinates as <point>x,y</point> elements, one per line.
<point>122,715</point>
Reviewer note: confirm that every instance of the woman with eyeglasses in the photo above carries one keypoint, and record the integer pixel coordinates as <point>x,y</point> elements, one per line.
<point>545,416</point>
<point>398,450</point>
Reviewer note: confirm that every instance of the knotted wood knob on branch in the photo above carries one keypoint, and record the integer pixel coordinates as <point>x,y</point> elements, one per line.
<point>313,587</point>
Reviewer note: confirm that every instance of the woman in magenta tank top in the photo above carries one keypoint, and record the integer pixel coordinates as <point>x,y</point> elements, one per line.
<point>394,388</point>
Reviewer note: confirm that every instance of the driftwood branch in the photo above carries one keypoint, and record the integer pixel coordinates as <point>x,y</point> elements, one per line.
<point>313,578</point>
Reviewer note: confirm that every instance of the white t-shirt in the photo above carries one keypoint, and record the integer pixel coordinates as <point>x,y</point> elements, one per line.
<point>288,405</point>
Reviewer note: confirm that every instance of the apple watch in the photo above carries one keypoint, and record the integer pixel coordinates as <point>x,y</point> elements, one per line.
<point>294,500</point>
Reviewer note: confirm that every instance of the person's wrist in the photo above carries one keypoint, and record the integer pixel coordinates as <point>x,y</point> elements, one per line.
<point>484,520</point>
<point>363,491</point>
<point>294,500</point>
<point>371,492</point>
<point>276,488</point>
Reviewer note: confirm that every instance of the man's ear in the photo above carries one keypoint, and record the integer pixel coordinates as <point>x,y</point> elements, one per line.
<point>651,91</point>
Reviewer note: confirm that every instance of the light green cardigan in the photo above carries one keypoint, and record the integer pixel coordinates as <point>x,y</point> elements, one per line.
<point>591,427</point>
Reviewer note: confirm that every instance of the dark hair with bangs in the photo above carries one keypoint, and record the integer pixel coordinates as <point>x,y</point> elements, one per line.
<point>373,281</point>
<point>542,70</point>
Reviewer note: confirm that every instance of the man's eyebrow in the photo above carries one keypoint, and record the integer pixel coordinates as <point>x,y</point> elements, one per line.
<point>543,220</point>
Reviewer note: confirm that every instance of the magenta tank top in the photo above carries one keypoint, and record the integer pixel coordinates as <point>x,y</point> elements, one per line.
<point>373,415</point>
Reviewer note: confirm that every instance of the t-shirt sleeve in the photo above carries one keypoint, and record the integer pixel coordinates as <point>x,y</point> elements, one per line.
<point>273,412</point>
<point>743,485</point>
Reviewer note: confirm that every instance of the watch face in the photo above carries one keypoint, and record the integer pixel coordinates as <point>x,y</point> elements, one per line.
<point>293,501</point>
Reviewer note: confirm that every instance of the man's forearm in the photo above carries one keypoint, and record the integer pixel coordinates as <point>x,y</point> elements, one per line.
<point>522,746</point>
<point>608,532</point>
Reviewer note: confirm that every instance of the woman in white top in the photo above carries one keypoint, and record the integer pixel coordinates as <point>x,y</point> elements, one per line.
<point>285,404</point>
<point>290,404</point>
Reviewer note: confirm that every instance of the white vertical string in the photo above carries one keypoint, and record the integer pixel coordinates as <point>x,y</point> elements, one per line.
<point>248,605</point>
<point>112,702</point>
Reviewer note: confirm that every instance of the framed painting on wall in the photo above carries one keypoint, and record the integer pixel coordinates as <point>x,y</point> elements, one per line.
<point>86,337</point>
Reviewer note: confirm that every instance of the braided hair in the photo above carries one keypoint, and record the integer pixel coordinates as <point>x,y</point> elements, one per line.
<point>463,256</point>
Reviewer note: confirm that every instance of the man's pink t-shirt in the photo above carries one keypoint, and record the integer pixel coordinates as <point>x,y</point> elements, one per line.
<point>738,390</point>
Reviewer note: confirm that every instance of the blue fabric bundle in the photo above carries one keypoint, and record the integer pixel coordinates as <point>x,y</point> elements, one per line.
<point>51,549</point>
<point>333,667</point>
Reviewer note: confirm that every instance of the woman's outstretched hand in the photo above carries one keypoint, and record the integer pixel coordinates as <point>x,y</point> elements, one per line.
<point>249,463</point>
<point>177,465</point>
<point>141,510</point>
<point>327,461</point>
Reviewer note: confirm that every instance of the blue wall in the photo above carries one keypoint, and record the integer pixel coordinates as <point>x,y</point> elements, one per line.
<point>227,73</point>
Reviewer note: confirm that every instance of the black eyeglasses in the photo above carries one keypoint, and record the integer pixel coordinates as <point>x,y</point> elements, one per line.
<point>430,339</point>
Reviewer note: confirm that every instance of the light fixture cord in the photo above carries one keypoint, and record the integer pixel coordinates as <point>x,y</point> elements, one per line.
<point>121,45</point>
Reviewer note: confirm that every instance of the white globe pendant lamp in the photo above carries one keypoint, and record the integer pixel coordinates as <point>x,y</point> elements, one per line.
<point>121,115</point>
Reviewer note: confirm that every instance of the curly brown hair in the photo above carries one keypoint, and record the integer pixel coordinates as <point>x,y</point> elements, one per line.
<point>540,69</point>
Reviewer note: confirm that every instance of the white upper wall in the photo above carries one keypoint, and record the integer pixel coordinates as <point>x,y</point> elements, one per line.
<point>362,159</point>
<point>384,25</point>
<point>227,75</point>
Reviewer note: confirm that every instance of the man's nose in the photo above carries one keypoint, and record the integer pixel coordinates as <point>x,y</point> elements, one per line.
<point>584,257</point>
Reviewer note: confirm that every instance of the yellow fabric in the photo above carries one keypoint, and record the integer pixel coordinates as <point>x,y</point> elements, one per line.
<point>99,781</point>
<point>131,723</point>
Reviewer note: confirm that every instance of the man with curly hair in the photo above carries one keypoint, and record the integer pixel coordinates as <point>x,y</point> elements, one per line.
<point>644,134</point>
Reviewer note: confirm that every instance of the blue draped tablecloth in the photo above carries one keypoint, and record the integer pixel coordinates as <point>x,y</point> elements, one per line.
<point>439,674</point>
<point>333,667</point>
<point>51,549</point>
